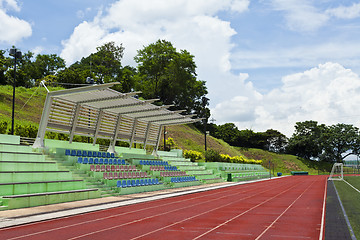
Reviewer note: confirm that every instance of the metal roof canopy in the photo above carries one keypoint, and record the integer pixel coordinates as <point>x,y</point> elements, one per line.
<point>100,112</point>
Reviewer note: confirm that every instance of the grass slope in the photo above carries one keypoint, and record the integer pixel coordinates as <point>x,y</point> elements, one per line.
<point>186,136</point>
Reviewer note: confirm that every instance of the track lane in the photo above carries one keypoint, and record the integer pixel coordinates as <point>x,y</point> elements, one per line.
<point>189,215</point>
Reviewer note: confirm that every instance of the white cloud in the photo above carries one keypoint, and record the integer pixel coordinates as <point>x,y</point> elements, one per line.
<point>9,4</point>
<point>350,12</point>
<point>328,93</point>
<point>190,25</point>
<point>300,15</point>
<point>12,29</point>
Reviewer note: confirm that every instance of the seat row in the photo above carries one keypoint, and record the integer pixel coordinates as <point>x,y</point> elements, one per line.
<point>124,175</point>
<point>84,153</point>
<point>137,183</point>
<point>153,162</point>
<point>110,161</point>
<point>172,174</point>
<point>183,179</point>
<point>112,168</point>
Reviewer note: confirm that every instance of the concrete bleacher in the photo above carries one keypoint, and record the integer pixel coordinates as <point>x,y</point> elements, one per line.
<point>65,172</point>
<point>235,172</point>
<point>201,173</point>
<point>29,179</point>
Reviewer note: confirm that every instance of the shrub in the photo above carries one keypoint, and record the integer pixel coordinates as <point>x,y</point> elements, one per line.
<point>238,159</point>
<point>3,127</point>
<point>193,155</point>
<point>28,131</point>
<point>213,156</point>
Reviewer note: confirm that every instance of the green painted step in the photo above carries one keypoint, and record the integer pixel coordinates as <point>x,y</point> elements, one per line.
<point>27,166</point>
<point>38,187</point>
<point>32,200</point>
<point>11,156</point>
<point>34,176</point>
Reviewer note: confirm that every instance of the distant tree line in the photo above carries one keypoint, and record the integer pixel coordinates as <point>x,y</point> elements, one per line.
<point>162,73</point>
<point>310,140</point>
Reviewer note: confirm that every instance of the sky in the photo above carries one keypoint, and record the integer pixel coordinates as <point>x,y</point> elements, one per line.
<point>267,63</point>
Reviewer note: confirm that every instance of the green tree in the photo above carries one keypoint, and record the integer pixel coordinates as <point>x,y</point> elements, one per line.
<point>23,69</point>
<point>103,66</point>
<point>170,76</point>
<point>229,133</point>
<point>4,65</point>
<point>46,64</point>
<point>306,141</point>
<point>276,141</point>
<point>340,141</point>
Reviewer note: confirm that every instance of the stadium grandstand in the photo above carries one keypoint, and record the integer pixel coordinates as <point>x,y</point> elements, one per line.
<point>54,171</point>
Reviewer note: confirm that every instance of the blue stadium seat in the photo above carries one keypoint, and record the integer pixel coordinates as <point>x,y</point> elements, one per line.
<point>91,160</point>
<point>79,153</point>
<point>79,160</point>
<point>99,154</point>
<point>110,161</point>
<point>89,154</point>
<point>84,153</point>
<point>108,155</point>
<point>124,185</point>
<point>85,160</point>
<point>106,161</point>
<point>133,183</point>
<point>137,183</point>
<point>123,162</point>
<point>115,162</point>
<point>112,155</point>
<point>146,182</point>
<point>142,182</point>
<point>118,184</point>
<point>128,183</point>
<point>103,154</point>
<point>67,152</point>
<point>157,181</point>
<point>141,162</point>
<point>73,152</point>
<point>153,181</point>
<point>101,161</point>
<point>96,161</point>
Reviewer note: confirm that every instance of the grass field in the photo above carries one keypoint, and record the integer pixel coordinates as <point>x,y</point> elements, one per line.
<point>350,199</point>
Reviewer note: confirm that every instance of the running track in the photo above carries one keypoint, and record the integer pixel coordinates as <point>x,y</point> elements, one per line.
<point>284,208</point>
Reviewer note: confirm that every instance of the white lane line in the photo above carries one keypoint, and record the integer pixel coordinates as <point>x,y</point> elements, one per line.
<point>239,215</point>
<point>352,186</point>
<point>157,215</point>
<point>194,216</point>
<point>272,224</point>
<point>100,219</point>
<point>322,228</point>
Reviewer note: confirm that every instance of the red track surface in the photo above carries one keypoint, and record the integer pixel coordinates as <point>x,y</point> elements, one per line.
<point>285,208</point>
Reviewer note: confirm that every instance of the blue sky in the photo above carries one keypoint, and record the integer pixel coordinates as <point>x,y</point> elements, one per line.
<point>267,63</point>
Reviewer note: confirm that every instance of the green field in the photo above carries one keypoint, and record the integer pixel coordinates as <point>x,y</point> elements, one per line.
<point>350,199</point>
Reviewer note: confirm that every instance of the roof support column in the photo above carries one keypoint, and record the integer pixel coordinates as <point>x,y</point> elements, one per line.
<point>39,141</point>
<point>158,141</point>
<point>133,132</point>
<point>147,134</point>
<point>97,127</point>
<point>75,120</point>
<point>116,130</point>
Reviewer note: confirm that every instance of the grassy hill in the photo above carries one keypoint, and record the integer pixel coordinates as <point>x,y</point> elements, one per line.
<point>28,109</point>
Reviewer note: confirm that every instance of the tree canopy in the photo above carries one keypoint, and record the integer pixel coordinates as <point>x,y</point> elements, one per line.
<point>326,143</point>
<point>170,75</point>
